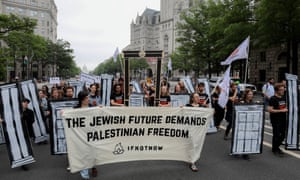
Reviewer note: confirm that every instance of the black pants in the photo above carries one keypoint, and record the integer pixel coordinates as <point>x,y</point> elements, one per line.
<point>279,127</point>
<point>228,118</point>
<point>218,116</point>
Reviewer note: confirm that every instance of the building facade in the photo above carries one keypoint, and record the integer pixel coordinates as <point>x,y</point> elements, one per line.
<point>156,29</point>
<point>268,63</point>
<point>45,12</point>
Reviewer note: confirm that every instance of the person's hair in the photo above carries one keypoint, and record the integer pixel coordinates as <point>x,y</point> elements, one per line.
<point>115,86</point>
<point>69,87</point>
<point>246,92</point>
<point>201,84</point>
<point>278,86</point>
<point>191,97</point>
<point>167,93</point>
<point>81,96</point>
<point>232,84</point>
<point>270,79</point>
<point>94,84</point>
<point>46,88</point>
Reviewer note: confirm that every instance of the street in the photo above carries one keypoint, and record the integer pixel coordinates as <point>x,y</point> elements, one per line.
<point>215,163</point>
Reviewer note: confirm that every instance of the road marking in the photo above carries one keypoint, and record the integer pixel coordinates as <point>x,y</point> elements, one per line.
<point>270,146</point>
<point>285,151</point>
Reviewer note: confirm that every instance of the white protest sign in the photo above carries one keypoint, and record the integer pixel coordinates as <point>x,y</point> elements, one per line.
<point>54,80</point>
<point>98,136</point>
<point>88,79</point>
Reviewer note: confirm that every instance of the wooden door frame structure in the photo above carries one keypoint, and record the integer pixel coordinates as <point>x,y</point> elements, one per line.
<point>142,54</point>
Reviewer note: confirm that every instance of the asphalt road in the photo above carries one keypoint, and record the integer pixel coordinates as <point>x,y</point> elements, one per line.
<point>215,163</point>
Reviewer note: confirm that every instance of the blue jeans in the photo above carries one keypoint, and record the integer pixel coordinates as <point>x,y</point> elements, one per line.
<point>85,174</point>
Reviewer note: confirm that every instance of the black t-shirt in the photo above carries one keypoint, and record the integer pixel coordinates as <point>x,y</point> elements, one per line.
<point>202,98</point>
<point>118,98</point>
<point>229,105</point>
<point>278,103</point>
<point>164,100</point>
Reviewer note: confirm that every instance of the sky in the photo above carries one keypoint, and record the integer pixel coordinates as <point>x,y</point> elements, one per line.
<point>95,28</point>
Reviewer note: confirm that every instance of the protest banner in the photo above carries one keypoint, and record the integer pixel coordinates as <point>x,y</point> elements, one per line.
<point>15,132</point>
<point>292,136</point>
<point>77,87</point>
<point>211,128</point>
<point>54,80</point>
<point>2,137</point>
<point>57,132</point>
<point>98,136</point>
<point>106,88</point>
<point>248,129</point>
<point>29,91</point>
<point>137,100</point>
<point>178,100</point>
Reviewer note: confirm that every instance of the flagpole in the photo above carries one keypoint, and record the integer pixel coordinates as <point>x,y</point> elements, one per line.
<point>246,71</point>
<point>247,61</point>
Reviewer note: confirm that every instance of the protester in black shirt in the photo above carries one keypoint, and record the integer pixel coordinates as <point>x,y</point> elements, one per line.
<point>278,109</point>
<point>203,97</point>
<point>165,98</point>
<point>247,98</point>
<point>229,108</point>
<point>28,120</point>
<point>28,117</point>
<point>117,97</point>
<point>219,111</point>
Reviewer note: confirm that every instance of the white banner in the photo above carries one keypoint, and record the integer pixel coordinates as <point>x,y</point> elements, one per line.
<point>111,134</point>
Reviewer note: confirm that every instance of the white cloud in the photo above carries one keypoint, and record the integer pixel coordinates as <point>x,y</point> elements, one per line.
<point>96,27</point>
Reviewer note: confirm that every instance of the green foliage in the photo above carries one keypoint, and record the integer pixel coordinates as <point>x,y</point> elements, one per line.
<point>111,67</point>
<point>61,54</point>
<point>210,32</point>
<point>278,23</point>
<point>12,22</point>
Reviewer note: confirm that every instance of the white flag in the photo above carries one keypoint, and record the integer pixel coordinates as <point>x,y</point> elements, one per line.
<point>224,85</point>
<point>170,65</point>
<point>116,54</point>
<point>240,52</point>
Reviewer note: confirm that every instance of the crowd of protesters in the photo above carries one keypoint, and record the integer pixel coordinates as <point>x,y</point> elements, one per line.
<point>273,98</point>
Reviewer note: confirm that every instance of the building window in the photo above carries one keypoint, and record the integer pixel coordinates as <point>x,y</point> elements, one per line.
<point>262,75</point>
<point>166,43</point>
<point>263,56</point>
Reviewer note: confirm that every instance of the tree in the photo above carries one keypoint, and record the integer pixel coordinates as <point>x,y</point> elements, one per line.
<point>60,55</point>
<point>108,67</point>
<point>278,22</point>
<point>209,33</point>
<point>9,23</point>
<point>26,45</point>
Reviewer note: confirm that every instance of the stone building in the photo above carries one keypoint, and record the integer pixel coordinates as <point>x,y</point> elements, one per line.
<point>45,12</point>
<point>268,63</point>
<point>156,30</point>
